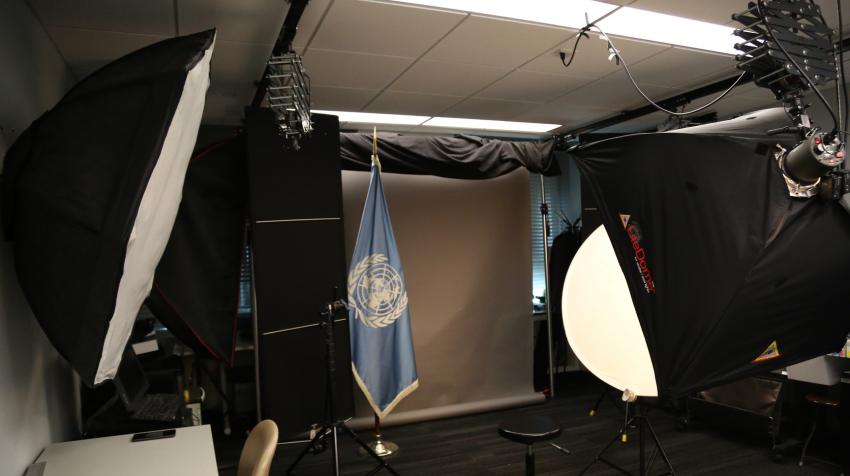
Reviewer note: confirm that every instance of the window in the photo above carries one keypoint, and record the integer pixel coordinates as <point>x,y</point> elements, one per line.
<point>245,304</point>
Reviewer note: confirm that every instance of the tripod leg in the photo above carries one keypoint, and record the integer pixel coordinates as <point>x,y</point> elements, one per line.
<point>336,452</point>
<point>660,448</point>
<point>598,402</point>
<point>382,464</point>
<point>598,456</point>
<point>642,447</point>
<point>312,444</point>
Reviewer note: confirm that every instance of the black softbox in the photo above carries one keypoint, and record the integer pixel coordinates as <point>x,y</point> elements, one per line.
<point>729,275</point>
<point>91,190</point>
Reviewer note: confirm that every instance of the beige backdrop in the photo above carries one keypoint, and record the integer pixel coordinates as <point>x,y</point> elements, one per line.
<point>465,247</point>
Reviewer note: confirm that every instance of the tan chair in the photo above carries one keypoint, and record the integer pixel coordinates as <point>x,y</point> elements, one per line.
<point>258,452</point>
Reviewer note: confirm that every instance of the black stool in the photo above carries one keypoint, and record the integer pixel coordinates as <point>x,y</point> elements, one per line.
<point>529,430</point>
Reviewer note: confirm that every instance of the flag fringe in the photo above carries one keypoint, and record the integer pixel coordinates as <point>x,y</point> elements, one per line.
<point>382,413</point>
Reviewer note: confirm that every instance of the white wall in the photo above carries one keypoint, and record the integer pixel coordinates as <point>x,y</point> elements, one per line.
<point>37,398</point>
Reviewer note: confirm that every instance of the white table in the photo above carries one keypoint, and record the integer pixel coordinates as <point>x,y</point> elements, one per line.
<point>189,453</point>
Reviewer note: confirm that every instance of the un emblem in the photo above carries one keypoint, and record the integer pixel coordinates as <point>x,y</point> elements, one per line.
<point>376,292</point>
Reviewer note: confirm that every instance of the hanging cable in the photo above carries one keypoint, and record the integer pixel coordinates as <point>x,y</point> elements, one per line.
<point>616,53</point>
<point>759,6</point>
<point>581,34</point>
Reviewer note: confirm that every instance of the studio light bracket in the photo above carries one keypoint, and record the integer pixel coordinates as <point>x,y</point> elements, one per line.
<point>788,49</point>
<point>780,35</point>
<point>288,94</point>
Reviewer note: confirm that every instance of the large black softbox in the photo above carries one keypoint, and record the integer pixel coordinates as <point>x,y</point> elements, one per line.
<point>729,275</point>
<point>91,190</point>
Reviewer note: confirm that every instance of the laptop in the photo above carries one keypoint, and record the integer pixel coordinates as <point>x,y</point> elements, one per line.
<point>132,386</point>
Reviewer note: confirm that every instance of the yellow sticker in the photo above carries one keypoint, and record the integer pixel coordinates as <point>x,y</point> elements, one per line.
<point>771,352</point>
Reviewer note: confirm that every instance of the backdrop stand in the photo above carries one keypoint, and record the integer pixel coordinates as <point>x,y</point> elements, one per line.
<point>638,420</point>
<point>544,216</point>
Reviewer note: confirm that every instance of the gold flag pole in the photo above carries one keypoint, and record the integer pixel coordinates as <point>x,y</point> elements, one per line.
<point>381,447</point>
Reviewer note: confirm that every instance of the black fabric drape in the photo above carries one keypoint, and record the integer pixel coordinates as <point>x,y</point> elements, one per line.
<point>720,261</point>
<point>462,157</point>
<point>196,286</point>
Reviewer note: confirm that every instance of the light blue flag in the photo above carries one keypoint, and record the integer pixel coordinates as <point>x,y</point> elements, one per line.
<point>381,342</point>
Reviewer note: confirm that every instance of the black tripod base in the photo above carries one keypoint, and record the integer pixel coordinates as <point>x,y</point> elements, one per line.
<point>319,443</point>
<point>641,422</point>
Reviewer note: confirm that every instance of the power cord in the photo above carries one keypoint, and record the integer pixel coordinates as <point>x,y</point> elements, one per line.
<point>615,53</point>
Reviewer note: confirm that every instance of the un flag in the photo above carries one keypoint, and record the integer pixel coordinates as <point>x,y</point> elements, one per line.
<point>379,320</point>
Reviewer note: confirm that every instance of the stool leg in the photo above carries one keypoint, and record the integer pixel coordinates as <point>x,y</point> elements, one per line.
<point>809,438</point>
<point>529,461</point>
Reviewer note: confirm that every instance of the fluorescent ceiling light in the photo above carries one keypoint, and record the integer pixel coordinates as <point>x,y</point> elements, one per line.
<point>568,13</point>
<point>487,125</point>
<point>661,28</point>
<point>625,21</point>
<point>373,118</point>
<point>445,122</point>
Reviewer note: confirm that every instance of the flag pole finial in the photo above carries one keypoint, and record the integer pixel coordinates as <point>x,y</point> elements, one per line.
<point>375,160</point>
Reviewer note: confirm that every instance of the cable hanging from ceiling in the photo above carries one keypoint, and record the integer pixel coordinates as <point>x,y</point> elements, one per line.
<point>615,55</point>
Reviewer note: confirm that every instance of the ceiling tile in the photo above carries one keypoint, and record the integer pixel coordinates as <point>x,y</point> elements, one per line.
<point>830,14</point>
<point>340,99</point>
<point>224,108</point>
<point>647,123</point>
<point>493,42</point>
<point>530,86</point>
<point>684,69</point>
<point>87,50</point>
<point>449,79</point>
<point>248,21</point>
<point>352,70</point>
<point>592,56</point>
<point>496,109</point>
<point>741,104</point>
<point>714,11</point>
<point>238,64</point>
<point>561,114</point>
<point>383,28</point>
<point>310,20</point>
<point>151,17</point>
<point>613,92</point>
<point>398,102</point>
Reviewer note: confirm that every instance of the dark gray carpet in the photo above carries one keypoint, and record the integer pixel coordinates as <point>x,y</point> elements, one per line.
<point>470,445</point>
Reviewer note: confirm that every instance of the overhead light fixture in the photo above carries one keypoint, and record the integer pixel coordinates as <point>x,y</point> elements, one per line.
<point>622,21</point>
<point>488,125</point>
<point>445,122</point>
<point>374,118</point>
<point>570,13</point>
<point>673,30</point>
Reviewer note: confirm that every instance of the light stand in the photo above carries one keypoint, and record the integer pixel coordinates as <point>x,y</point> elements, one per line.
<point>639,420</point>
<point>331,427</point>
<point>544,216</point>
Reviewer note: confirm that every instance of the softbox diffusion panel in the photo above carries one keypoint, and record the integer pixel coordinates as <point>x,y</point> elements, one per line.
<point>91,191</point>
<point>729,276</point>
